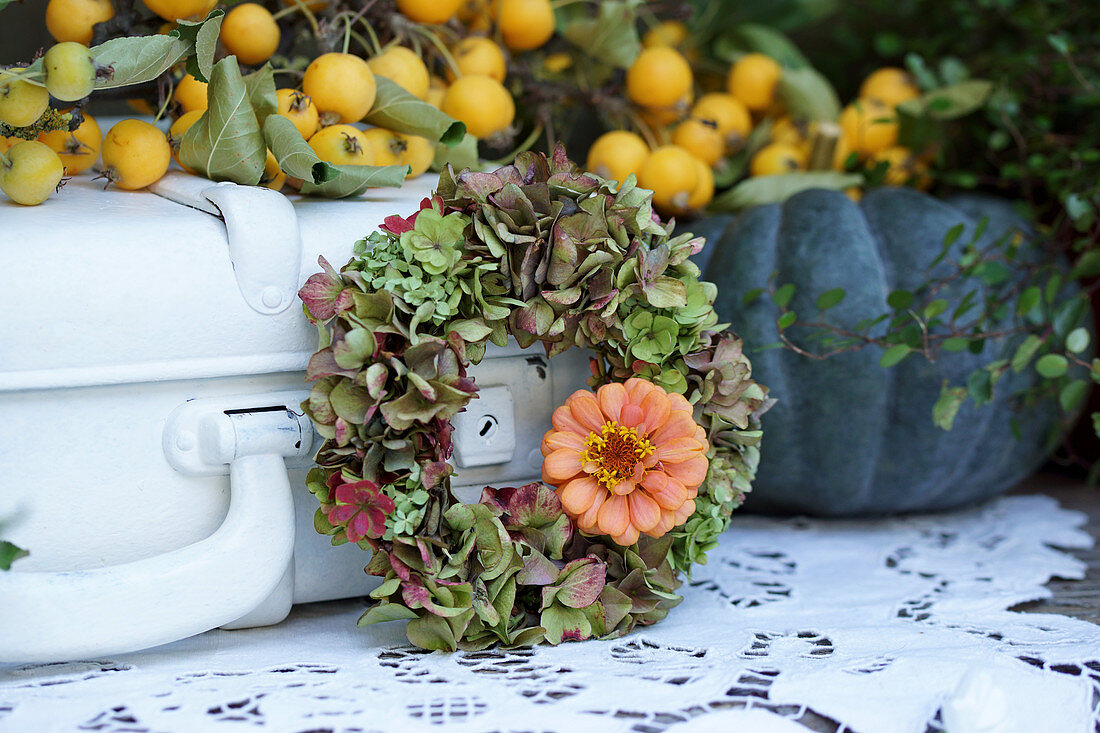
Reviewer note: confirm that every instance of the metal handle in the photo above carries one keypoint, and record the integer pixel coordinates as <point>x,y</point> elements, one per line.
<point>56,616</point>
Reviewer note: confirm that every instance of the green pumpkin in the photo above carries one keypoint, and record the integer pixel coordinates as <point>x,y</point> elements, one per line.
<point>848,437</point>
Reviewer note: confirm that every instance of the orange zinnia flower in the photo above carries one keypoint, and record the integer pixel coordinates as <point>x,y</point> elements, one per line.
<point>626,460</point>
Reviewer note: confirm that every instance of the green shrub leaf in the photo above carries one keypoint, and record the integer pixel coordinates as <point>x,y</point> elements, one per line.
<point>830,298</point>
<point>894,355</point>
<point>9,553</point>
<point>225,143</point>
<point>611,37</point>
<point>947,406</point>
<point>773,189</point>
<point>396,109</point>
<point>1073,394</point>
<point>950,102</point>
<point>1052,366</point>
<point>294,155</point>
<point>1078,340</point>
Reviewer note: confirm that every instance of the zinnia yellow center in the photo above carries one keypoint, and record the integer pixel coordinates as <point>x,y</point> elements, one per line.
<point>616,451</point>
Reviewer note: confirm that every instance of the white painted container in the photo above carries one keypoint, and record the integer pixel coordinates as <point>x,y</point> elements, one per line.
<point>151,364</point>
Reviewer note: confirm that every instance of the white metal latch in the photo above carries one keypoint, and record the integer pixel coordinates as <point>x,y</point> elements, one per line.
<point>265,244</point>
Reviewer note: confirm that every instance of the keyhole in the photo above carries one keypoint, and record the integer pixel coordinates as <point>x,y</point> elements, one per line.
<point>487,428</point>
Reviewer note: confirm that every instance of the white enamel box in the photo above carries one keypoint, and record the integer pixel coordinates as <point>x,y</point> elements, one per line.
<point>152,448</point>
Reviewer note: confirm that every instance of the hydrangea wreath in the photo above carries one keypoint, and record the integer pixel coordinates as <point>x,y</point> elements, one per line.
<point>646,471</point>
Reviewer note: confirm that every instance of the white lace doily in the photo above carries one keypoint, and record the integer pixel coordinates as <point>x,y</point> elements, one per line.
<point>795,625</point>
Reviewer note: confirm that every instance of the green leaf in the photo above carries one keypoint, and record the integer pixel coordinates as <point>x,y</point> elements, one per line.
<point>947,406</point>
<point>1078,340</point>
<point>431,632</point>
<point>808,95</point>
<point>1025,352</point>
<point>752,296</point>
<point>1073,395</point>
<point>773,189</point>
<point>611,37</point>
<point>899,299</point>
<point>352,180</point>
<point>954,344</point>
<point>783,295</point>
<point>952,236</point>
<point>1028,300</point>
<point>935,308</point>
<point>461,156</point>
<point>294,155</point>
<point>225,143</point>
<point>203,36</point>
<point>979,385</point>
<point>830,298</point>
<point>950,102</point>
<point>396,109</point>
<point>894,355</point>
<point>786,320</point>
<point>9,553</point>
<point>770,42</point>
<point>133,60</point>
<point>1087,266</point>
<point>261,93</point>
<point>386,612</point>
<point>1052,366</point>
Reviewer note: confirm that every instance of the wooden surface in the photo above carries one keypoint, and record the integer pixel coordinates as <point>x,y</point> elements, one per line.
<point>1077,598</point>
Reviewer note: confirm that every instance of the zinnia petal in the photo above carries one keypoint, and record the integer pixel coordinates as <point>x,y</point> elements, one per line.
<point>637,389</point>
<point>627,538</point>
<point>667,522</point>
<point>679,403</point>
<point>559,439</point>
<point>644,512</point>
<point>561,464</point>
<point>586,410</point>
<point>614,516</point>
<point>624,487</point>
<point>589,521</point>
<point>669,492</point>
<point>577,495</point>
<point>684,512</point>
<point>679,450</point>
<point>612,397</point>
<point>631,415</point>
<point>657,409</point>
<point>691,472</point>
<point>564,420</point>
<point>678,425</point>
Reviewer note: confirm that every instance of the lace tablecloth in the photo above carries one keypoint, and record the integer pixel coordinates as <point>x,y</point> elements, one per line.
<point>794,625</point>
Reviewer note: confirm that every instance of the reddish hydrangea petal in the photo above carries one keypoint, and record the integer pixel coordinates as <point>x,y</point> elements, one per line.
<point>341,514</point>
<point>358,527</point>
